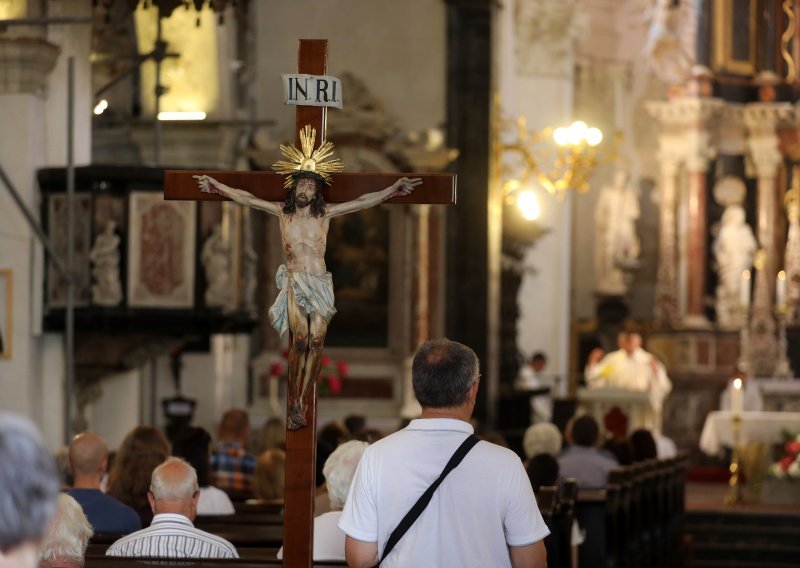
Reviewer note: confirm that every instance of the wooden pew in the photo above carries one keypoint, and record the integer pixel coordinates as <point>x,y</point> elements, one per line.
<point>109,562</point>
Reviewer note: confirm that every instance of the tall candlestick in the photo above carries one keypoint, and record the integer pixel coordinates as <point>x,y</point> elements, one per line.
<point>618,103</point>
<point>780,290</point>
<point>737,396</point>
<point>744,290</point>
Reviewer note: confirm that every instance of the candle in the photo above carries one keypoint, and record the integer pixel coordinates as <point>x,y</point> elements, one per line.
<point>618,103</point>
<point>744,290</point>
<point>780,290</point>
<point>737,396</point>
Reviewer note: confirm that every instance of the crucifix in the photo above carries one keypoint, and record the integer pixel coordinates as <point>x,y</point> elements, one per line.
<point>307,303</point>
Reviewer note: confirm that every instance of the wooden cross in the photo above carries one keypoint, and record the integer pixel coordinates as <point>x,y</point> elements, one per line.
<point>298,533</point>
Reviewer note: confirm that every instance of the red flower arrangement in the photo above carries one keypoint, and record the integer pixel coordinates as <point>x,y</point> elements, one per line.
<point>331,374</point>
<point>789,464</point>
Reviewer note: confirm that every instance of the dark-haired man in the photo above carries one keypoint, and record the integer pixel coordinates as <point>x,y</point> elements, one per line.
<point>583,460</point>
<point>29,488</point>
<point>484,512</point>
<point>305,302</point>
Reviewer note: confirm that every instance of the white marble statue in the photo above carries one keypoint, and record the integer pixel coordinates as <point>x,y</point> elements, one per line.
<point>733,252</point>
<point>106,290</point>
<point>216,262</point>
<point>664,50</point>
<point>616,242</point>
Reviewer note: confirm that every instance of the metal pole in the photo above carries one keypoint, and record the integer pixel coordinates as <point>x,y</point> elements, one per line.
<point>157,128</point>
<point>32,222</point>
<point>69,324</point>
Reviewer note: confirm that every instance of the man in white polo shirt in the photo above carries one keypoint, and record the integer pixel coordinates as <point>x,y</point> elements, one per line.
<point>173,496</point>
<point>484,512</point>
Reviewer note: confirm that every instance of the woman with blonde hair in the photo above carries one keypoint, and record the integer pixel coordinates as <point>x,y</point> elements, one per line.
<point>142,450</point>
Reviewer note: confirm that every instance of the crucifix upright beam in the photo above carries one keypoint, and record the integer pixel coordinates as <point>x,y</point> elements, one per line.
<point>299,492</point>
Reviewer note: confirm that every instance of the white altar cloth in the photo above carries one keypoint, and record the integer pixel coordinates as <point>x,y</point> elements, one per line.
<point>756,427</point>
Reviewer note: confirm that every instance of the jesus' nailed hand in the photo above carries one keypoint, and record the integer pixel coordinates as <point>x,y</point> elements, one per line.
<point>305,302</point>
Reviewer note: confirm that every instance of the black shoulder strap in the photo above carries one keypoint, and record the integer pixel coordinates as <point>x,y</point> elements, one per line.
<point>415,511</point>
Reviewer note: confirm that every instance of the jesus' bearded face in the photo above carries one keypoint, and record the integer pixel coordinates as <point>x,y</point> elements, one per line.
<point>305,191</point>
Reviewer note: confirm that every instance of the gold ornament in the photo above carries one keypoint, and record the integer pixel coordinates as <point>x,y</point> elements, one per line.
<point>308,160</point>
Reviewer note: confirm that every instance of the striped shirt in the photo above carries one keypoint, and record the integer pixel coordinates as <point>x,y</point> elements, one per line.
<point>172,536</point>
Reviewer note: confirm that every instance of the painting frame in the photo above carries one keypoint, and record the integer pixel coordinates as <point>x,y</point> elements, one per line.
<point>724,59</point>
<point>149,213</point>
<point>6,313</point>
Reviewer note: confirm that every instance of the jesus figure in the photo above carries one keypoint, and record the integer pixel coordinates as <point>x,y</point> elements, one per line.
<point>304,304</point>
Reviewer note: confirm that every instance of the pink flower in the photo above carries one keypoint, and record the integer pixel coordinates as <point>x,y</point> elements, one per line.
<point>335,384</point>
<point>341,367</point>
<point>285,353</point>
<point>326,360</point>
<point>793,448</point>
<point>786,462</point>
<point>276,370</point>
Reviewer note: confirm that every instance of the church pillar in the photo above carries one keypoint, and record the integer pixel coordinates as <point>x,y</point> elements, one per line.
<point>761,120</point>
<point>700,116</point>
<point>666,301</point>
<point>421,310</point>
<point>31,378</point>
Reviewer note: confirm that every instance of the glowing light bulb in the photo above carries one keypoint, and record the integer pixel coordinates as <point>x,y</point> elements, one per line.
<point>100,107</point>
<point>580,129</point>
<point>561,136</point>
<point>594,136</point>
<point>528,204</point>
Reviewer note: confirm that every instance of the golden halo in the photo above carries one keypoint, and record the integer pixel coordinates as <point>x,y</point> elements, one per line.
<point>319,161</point>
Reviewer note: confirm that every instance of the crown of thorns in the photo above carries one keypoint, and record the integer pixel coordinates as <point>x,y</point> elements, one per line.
<point>307,162</point>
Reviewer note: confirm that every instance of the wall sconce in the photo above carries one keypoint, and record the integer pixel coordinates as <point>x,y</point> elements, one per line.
<point>575,160</point>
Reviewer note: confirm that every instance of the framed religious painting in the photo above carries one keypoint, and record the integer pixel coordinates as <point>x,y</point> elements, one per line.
<point>161,252</point>
<point>82,243</point>
<point>6,313</point>
<point>735,32</point>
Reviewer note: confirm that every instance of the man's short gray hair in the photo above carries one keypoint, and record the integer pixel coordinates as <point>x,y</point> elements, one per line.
<point>339,470</point>
<point>67,534</point>
<point>173,487</point>
<point>542,438</point>
<point>442,373</point>
<point>29,483</point>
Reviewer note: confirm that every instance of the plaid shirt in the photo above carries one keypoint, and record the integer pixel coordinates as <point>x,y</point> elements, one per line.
<point>233,467</point>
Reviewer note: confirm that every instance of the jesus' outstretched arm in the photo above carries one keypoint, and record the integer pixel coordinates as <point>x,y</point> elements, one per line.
<point>208,184</point>
<point>402,186</point>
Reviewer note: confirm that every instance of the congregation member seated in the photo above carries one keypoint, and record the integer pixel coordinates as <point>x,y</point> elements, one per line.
<point>194,445</point>
<point>643,445</point>
<point>232,466</point>
<point>541,438</point>
<point>88,458</point>
<point>141,451</point>
<point>273,435</point>
<point>340,468</point>
<point>29,486</point>
<point>583,461</point>
<point>269,478</point>
<point>68,533</point>
<point>542,470</point>
<point>173,497</point>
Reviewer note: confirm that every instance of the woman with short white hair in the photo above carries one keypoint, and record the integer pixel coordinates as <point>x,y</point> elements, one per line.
<point>339,471</point>
<point>67,535</point>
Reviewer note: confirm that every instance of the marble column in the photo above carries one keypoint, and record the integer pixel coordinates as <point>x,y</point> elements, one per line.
<point>666,300</point>
<point>420,328</point>
<point>700,116</point>
<point>761,120</point>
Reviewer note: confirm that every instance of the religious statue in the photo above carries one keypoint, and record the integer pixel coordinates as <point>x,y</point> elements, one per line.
<point>664,50</point>
<point>733,252</point>
<point>215,257</point>
<point>107,290</point>
<point>305,303</point>
<point>616,242</point>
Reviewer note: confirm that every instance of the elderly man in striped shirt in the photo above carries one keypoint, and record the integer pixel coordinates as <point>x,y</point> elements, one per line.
<point>173,496</point>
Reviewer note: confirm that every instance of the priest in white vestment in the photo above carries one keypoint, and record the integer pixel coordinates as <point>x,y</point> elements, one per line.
<point>631,368</point>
